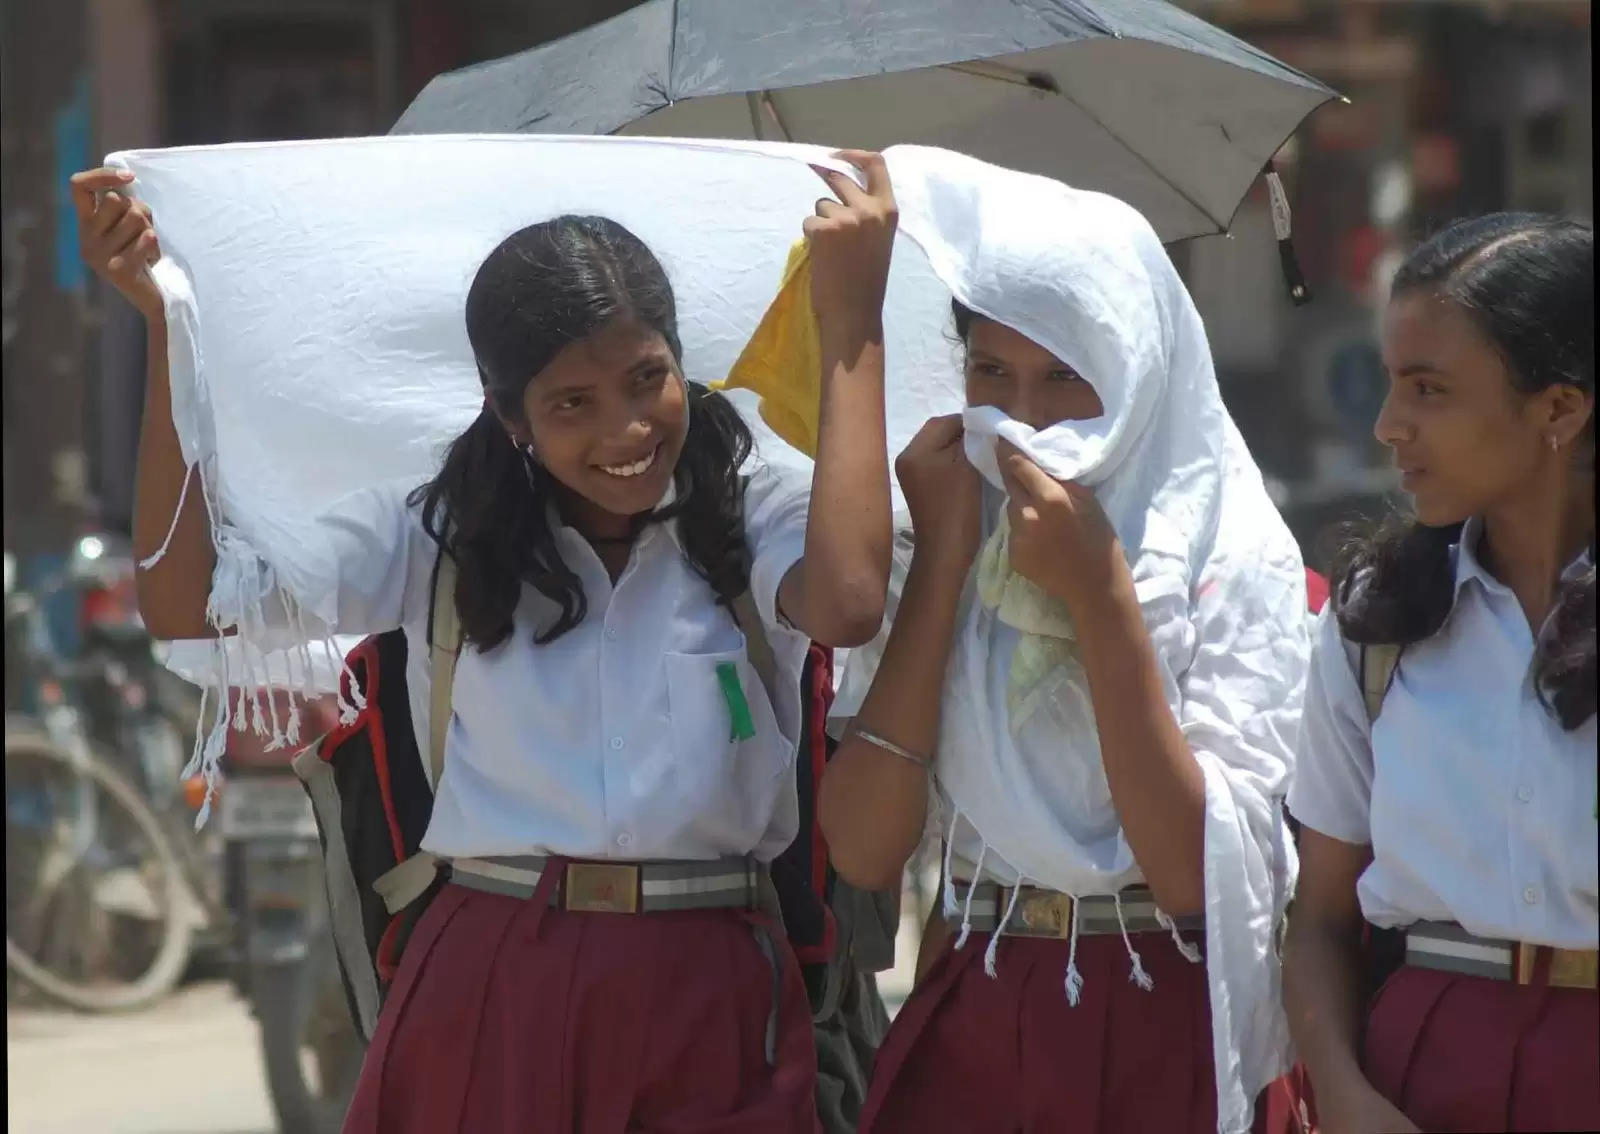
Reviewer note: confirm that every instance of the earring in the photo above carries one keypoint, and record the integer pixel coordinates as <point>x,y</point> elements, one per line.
<point>1555,443</point>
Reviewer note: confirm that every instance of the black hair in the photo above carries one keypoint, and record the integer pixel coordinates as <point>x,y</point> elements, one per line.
<point>1527,283</point>
<point>964,316</point>
<point>547,286</point>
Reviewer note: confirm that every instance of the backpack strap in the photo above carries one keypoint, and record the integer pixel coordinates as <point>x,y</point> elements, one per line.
<point>444,647</point>
<point>410,879</point>
<point>1377,672</point>
<point>758,650</point>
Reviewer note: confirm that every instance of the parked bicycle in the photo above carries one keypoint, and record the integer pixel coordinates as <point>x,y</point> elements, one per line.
<point>102,900</point>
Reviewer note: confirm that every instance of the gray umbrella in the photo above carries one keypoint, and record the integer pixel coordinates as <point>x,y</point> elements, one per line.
<point>1135,98</point>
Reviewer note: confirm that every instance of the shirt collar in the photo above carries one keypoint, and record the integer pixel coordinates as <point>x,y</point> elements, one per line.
<point>557,524</point>
<point>1469,566</point>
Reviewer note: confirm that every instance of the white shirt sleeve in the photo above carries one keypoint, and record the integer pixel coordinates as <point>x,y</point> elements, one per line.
<point>1332,791</point>
<point>777,501</point>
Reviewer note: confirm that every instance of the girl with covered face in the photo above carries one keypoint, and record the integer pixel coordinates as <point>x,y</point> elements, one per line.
<point>1089,692</point>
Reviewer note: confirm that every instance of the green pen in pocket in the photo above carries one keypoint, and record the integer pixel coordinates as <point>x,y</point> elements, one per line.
<point>738,708</point>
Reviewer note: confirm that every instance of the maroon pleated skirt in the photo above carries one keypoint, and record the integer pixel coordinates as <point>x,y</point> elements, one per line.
<point>1010,1054</point>
<point>510,1017</point>
<point>1459,1053</point>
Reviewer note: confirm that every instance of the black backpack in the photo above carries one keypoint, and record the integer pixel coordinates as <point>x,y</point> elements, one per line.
<point>372,794</point>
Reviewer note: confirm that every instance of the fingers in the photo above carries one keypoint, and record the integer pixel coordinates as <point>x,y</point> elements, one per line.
<point>939,432</point>
<point>1024,480</point>
<point>107,214</point>
<point>876,170</point>
<point>878,196</point>
<point>84,187</point>
<point>841,185</point>
<point>127,230</point>
<point>827,208</point>
<point>144,251</point>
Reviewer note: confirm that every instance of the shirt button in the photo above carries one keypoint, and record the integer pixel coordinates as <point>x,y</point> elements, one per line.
<point>1524,793</point>
<point>616,744</point>
<point>611,633</point>
<point>1530,894</point>
<point>624,840</point>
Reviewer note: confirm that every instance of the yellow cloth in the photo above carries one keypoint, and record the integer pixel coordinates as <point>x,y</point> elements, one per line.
<point>782,362</point>
<point>782,365</point>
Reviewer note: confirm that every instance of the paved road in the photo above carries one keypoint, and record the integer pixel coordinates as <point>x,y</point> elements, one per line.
<point>190,1065</point>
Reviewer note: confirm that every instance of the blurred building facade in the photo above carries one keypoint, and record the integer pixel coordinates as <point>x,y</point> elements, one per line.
<point>1456,107</point>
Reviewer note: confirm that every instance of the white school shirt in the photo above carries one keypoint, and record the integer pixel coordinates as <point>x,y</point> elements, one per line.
<point>613,740</point>
<point>1241,705</point>
<point>1478,806</point>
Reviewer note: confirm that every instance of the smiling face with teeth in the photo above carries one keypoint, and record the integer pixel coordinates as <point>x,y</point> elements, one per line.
<point>607,418</point>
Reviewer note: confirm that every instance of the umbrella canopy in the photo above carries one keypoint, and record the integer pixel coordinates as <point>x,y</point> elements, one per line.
<point>1135,98</point>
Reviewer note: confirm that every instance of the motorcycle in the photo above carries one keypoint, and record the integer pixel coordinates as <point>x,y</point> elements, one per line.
<point>145,716</point>
<point>287,969</point>
<point>101,902</point>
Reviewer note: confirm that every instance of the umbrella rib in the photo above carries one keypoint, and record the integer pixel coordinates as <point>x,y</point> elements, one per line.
<point>771,106</point>
<point>1222,226</point>
<point>672,51</point>
<point>995,73</point>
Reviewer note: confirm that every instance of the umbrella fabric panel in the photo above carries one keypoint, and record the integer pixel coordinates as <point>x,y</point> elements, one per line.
<point>1185,162</point>
<point>590,82</point>
<point>1138,99</point>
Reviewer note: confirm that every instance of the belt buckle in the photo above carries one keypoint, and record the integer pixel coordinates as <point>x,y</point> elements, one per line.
<point>1569,968</point>
<point>602,887</point>
<point>1574,968</point>
<point>1045,913</point>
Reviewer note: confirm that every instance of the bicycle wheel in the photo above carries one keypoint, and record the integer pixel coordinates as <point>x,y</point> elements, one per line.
<point>96,903</point>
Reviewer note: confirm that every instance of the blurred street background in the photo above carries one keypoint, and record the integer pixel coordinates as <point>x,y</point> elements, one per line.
<point>1456,107</point>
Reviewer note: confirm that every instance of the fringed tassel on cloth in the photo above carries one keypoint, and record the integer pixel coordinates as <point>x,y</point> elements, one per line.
<point>1137,974</point>
<point>1074,982</point>
<point>972,886</point>
<point>989,954</point>
<point>950,905</point>
<point>183,495</point>
<point>1187,951</point>
<point>350,705</point>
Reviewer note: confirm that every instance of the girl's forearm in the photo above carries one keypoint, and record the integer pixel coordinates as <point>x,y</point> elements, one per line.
<point>873,805</point>
<point>845,572</point>
<point>1156,784</point>
<point>173,592</point>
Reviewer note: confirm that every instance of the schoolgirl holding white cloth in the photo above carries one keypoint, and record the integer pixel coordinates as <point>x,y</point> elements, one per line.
<point>1090,690</point>
<point>591,965</point>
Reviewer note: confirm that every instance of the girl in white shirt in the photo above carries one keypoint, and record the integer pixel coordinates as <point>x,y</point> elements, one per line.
<point>1104,683</point>
<point>1461,816</point>
<point>611,746</point>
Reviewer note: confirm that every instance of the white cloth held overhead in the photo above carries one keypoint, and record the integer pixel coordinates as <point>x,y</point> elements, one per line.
<point>317,343</point>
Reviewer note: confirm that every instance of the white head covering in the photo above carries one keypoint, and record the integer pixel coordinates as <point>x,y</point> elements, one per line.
<point>1216,571</point>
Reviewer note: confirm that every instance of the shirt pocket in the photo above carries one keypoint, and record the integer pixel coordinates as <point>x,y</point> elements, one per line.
<point>710,763</point>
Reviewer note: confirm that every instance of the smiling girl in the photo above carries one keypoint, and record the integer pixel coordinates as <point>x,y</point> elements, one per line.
<point>596,962</point>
